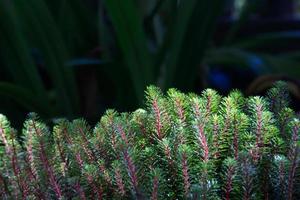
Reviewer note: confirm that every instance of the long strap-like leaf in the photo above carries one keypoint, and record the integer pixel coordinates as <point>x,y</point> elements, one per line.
<point>133,43</point>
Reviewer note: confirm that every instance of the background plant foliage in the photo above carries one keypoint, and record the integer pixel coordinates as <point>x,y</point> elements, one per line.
<point>45,45</point>
<point>181,146</point>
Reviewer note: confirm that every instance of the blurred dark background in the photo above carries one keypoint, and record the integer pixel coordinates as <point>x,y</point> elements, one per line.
<point>76,58</point>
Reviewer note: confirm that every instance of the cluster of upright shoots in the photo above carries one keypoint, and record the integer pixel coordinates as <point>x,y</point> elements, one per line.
<point>179,147</point>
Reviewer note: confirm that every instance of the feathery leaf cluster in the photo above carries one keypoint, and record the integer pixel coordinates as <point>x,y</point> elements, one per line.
<point>179,147</point>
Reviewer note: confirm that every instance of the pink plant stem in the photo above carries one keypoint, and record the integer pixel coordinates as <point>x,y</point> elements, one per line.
<point>203,142</point>
<point>61,152</point>
<point>181,116</point>
<point>119,180</point>
<point>283,126</point>
<point>180,111</point>
<point>154,195</point>
<point>80,191</point>
<point>185,174</point>
<point>11,152</point>
<point>64,161</point>
<point>114,141</point>
<point>201,136</point>
<point>246,196</point>
<point>50,172</point>
<point>235,142</point>
<point>23,184</point>
<point>291,177</point>
<point>293,156</point>
<point>229,182</point>
<point>113,135</point>
<point>282,177</point>
<point>62,157</point>
<point>259,129</point>
<point>3,188</point>
<point>5,142</point>
<point>157,119</point>
<point>33,179</point>
<point>130,165</point>
<point>167,151</point>
<point>97,191</point>
<point>13,183</point>
<point>215,140</point>
<point>248,181</point>
<point>131,170</point>
<point>67,137</point>
<point>85,146</point>
<point>123,134</point>
<point>208,106</point>
<point>205,186</point>
<point>143,129</point>
<point>30,156</point>
<point>77,154</point>
<point>80,162</point>
<point>47,166</point>
<point>106,174</point>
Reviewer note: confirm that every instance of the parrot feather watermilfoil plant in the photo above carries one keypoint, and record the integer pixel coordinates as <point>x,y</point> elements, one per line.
<point>180,146</point>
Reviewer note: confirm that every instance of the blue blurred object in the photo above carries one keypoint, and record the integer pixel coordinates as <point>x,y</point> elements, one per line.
<point>256,65</point>
<point>219,79</point>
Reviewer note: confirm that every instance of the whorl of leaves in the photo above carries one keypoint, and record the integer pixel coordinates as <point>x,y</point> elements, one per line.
<point>179,146</point>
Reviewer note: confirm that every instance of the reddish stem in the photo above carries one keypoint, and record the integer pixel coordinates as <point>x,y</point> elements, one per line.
<point>180,110</point>
<point>123,134</point>
<point>229,182</point>
<point>157,119</point>
<point>119,180</point>
<point>259,141</point>
<point>106,174</point>
<point>2,188</point>
<point>235,141</point>
<point>203,142</point>
<point>215,140</point>
<point>97,191</point>
<point>131,170</point>
<point>247,179</point>
<point>46,164</point>
<point>293,156</point>
<point>50,172</point>
<point>185,174</point>
<point>11,152</point>
<point>154,195</point>
<point>201,136</point>
<point>80,191</point>
<point>62,157</point>
<point>208,106</point>
<point>85,146</point>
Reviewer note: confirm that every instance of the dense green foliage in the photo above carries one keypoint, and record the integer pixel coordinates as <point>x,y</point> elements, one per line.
<point>179,147</point>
